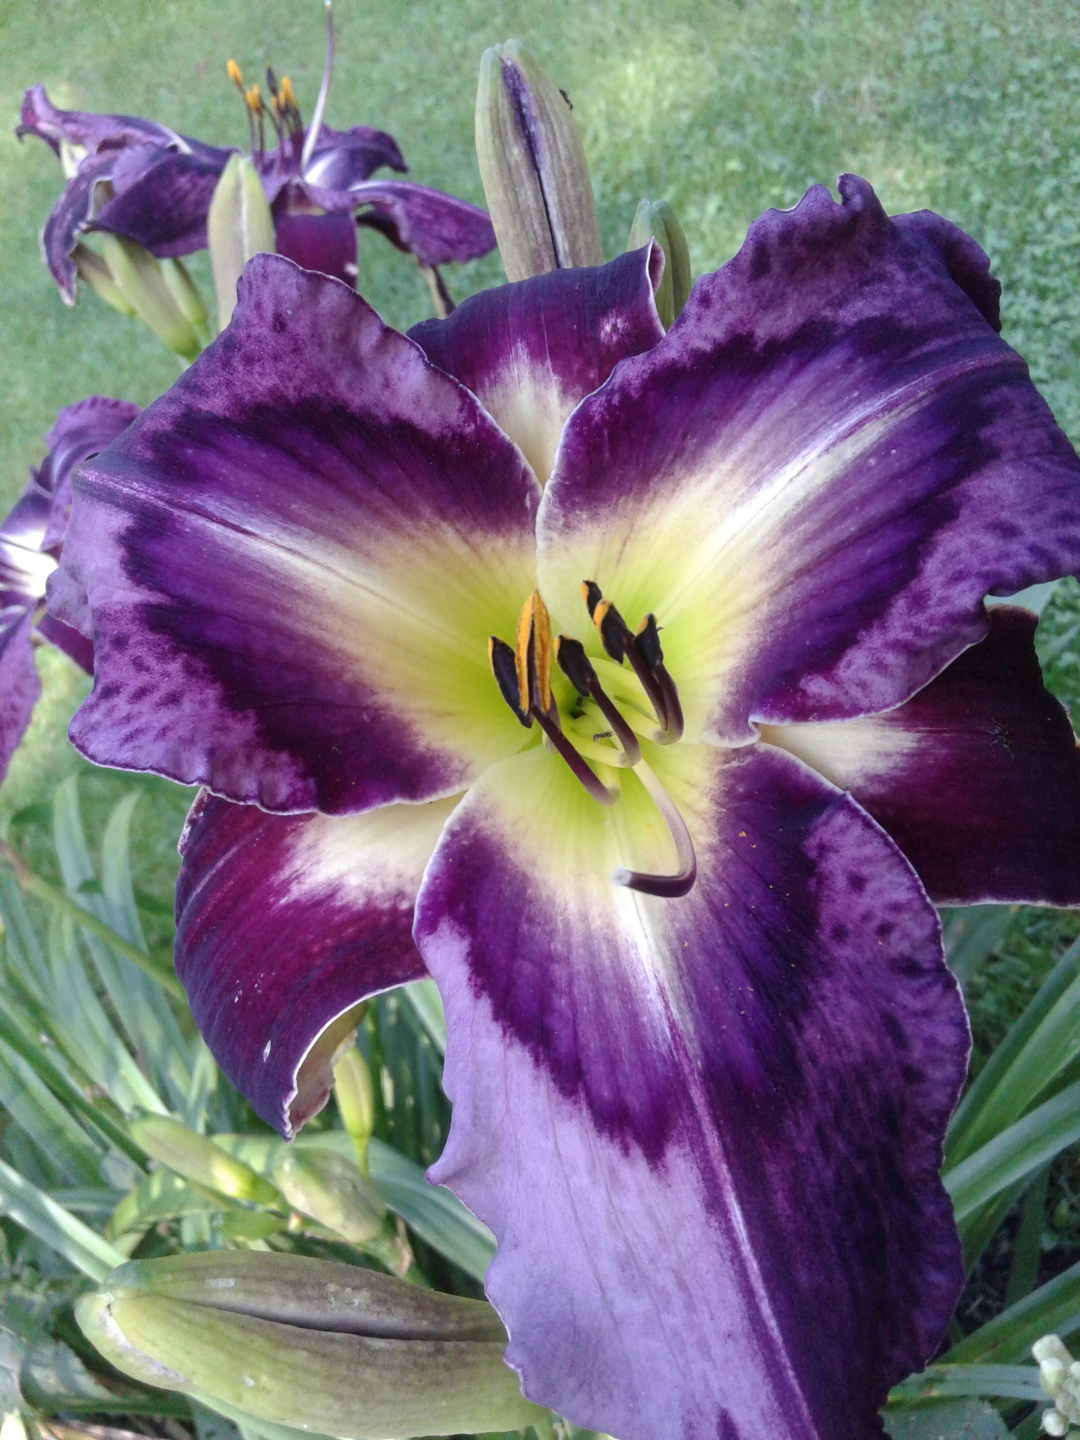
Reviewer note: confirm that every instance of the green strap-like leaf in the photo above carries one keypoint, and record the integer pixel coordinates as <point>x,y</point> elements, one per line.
<point>1052,1309</point>
<point>1015,1382</point>
<point>1037,1047</point>
<point>56,1227</point>
<point>1015,1153</point>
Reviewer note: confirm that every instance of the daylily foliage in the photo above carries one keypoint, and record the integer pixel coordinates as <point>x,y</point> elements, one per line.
<point>702,1042</point>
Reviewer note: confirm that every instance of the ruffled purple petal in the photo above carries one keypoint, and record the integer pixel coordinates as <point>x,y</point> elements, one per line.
<point>291,563</point>
<point>80,431</point>
<point>20,688</point>
<point>817,476</point>
<point>24,569</point>
<point>162,197</point>
<point>70,216</point>
<point>977,778</point>
<point>532,350</point>
<point>285,923</point>
<point>326,243</point>
<point>41,117</point>
<point>434,227</point>
<point>343,158</point>
<point>706,1132</point>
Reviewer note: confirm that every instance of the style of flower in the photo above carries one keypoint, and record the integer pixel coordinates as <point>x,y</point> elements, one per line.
<point>605,663</point>
<point>31,538</point>
<point>135,178</point>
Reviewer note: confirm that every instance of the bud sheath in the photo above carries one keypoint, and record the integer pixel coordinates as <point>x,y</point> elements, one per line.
<point>533,166</point>
<point>201,1161</point>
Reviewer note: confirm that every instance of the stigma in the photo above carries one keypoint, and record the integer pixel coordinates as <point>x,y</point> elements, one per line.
<point>649,710</point>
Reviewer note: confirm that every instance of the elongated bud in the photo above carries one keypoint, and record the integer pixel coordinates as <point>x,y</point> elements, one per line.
<point>92,269</point>
<point>316,1294</point>
<point>200,1161</point>
<point>332,1191</point>
<point>355,1096</point>
<point>238,226</point>
<point>398,1377</point>
<point>655,220</point>
<point>138,277</point>
<point>533,167</point>
<point>189,301</point>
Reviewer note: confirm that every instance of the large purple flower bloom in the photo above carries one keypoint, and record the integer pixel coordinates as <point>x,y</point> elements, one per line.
<point>703,1043</point>
<point>135,178</point>
<point>30,542</point>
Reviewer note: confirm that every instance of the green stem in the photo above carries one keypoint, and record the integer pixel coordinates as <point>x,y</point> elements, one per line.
<point>32,884</point>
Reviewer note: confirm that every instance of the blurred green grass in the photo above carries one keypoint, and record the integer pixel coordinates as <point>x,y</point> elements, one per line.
<point>724,108</point>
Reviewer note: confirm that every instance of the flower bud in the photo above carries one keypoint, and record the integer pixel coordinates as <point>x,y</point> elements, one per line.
<point>355,1096</point>
<point>189,301</point>
<point>92,269</point>
<point>655,220</point>
<point>331,1190</point>
<point>138,277</point>
<point>1054,1424</point>
<point>310,1344</point>
<point>200,1161</point>
<point>533,167</point>
<point>238,226</point>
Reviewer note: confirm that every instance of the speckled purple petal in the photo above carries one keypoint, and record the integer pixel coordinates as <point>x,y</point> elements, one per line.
<point>326,243</point>
<point>706,1132</point>
<point>284,923</point>
<point>977,778</point>
<point>291,563</point>
<point>819,473</point>
<point>532,350</point>
<point>434,227</point>
<point>342,158</point>
<point>20,688</point>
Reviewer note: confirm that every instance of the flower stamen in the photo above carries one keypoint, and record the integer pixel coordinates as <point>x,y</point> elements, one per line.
<point>645,656</point>
<point>575,665</point>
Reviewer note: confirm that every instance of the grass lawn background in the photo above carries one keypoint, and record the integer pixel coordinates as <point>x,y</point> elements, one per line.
<point>722,108</point>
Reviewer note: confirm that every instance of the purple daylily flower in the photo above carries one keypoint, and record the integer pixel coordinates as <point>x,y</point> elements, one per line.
<point>31,538</point>
<point>141,180</point>
<point>702,1040</point>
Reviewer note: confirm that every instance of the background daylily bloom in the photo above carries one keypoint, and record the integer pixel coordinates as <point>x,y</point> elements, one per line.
<point>702,1041</point>
<point>135,178</point>
<point>30,541</point>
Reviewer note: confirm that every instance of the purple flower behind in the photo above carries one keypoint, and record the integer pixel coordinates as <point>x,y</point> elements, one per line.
<point>134,178</point>
<point>31,539</point>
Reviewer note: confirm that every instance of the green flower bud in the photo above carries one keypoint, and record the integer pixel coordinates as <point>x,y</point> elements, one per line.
<point>137,275</point>
<point>310,1344</point>
<point>238,226</point>
<point>200,1161</point>
<point>533,167</point>
<point>91,268</point>
<point>355,1096</point>
<point>188,299</point>
<point>655,220</point>
<point>332,1191</point>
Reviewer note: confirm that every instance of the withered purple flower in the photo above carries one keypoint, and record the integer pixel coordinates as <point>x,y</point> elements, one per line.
<point>135,178</point>
<point>671,863</point>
